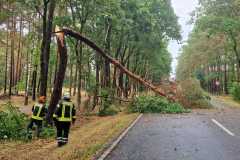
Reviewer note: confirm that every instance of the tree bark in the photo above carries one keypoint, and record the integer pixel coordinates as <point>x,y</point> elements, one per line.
<point>106,82</point>
<point>95,98</point>
<point>57,90</point>
<point>19,57</point>
<point>75,80</point>
<point>6,62</point>
<point>11,76</point>
<point>27,79</point>
<point>45,49</point>
<point>71,78</point>
<point>34,83</point>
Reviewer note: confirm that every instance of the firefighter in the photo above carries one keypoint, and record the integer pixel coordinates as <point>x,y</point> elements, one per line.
<point>64,115</point>
<point>39,111</point>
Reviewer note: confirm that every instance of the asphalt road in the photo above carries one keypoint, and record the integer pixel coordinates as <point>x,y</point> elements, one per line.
<point>194,136</point>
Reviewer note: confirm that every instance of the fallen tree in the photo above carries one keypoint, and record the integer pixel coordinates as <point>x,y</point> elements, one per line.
<point>63,58</point>
<point>98,50</point>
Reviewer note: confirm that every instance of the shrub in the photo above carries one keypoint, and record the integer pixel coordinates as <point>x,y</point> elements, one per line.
<point>13,123</point>
<point>154,104</point>
<point>110,111</point>
<point>235,91</point>
<point>191,95</point>
<point>48,132</point>
<point>107,108</point>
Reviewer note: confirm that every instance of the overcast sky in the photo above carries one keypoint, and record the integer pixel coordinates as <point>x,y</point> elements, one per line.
<point>182,8</point>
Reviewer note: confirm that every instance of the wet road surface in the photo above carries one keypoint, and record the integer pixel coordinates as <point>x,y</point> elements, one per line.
<point>191,136</point>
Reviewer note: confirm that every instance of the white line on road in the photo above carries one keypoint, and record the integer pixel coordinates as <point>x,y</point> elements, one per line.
<point>223,128</point>
<point>115,143</point>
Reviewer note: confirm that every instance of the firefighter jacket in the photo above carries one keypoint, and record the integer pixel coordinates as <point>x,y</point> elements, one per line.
<point>39,111</point>
<point>65,112</point>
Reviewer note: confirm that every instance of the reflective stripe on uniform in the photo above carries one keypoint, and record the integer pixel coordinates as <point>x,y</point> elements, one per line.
<point>65,140</point>
<point>59,138</point>
<point>63,117</point>
<point>37,117</point>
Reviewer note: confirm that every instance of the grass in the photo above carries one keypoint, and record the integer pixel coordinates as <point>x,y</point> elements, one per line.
<point>229,100</point>
<point>86,140</point>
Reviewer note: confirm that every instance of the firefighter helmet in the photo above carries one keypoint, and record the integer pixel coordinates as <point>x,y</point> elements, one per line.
<point>42,99</point>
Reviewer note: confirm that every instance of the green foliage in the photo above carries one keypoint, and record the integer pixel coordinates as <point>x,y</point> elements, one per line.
<point>235,91</point>
<point>191,95</point>
<point>212,45</point>
<point>48,132</point>
<point>109,111</point>
<point>154,104</point>
<point>12,123</point>
<point>107,108</point>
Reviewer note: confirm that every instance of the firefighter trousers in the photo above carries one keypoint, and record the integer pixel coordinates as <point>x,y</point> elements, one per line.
<point>38,123</point>
<point>62,132</point>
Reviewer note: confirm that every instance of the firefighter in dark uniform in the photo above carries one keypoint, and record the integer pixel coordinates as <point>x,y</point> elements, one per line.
<point>64,115</point>
<point>39,111</point>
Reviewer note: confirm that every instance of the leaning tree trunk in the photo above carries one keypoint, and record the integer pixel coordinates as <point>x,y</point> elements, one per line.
<point>98,50</point>
<point>62,65</point>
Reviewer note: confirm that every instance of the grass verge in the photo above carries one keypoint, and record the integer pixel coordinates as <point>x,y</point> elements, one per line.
<point>85,141</point>
<point>229,101</point>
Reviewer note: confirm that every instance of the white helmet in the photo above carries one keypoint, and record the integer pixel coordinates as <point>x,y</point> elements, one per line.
<point>66,96</point>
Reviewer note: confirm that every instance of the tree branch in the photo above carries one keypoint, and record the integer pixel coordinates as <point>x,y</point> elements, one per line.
<point>98,50</point>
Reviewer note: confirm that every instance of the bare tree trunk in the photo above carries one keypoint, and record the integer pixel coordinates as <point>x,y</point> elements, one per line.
<point>57,90</point>
<point>6,62</point>
<point>45,49</point>
<point>107,77</point>
<point>71,78</point>
<point>95,98</point>
<point>27,79</point>
<point>75,80</point>
<point>17,74</point>
<point>225,79</point>
<point>34,83</point>
<point>78,49</point>
<point>12,56</point>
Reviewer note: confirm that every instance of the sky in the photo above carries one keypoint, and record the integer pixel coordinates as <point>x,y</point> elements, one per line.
<point>182,8</point>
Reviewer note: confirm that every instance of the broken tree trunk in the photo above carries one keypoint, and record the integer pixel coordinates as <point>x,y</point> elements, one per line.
<point>62,65</point>
<point>98,50</point>
<point>62,49</point>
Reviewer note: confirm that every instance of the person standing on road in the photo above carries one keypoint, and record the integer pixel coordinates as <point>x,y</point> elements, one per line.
<point>64,115</point>
<point>39,111</point>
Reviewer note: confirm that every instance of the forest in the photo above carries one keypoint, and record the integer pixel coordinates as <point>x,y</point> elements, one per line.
<point>136,33</point>
<point>107,54</point>
<point>77,76</point>
<point>212,54</point>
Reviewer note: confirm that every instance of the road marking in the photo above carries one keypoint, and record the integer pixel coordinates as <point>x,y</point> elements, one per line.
<point>115,143</point>
<point>223,128</point>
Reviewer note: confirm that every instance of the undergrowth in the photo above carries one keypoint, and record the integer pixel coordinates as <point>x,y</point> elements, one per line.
<point>13,124</point>
<point>155,104</point>
<point>235,91</point>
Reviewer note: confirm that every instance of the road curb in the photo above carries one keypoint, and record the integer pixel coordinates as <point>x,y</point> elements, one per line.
<point>116,142</point>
